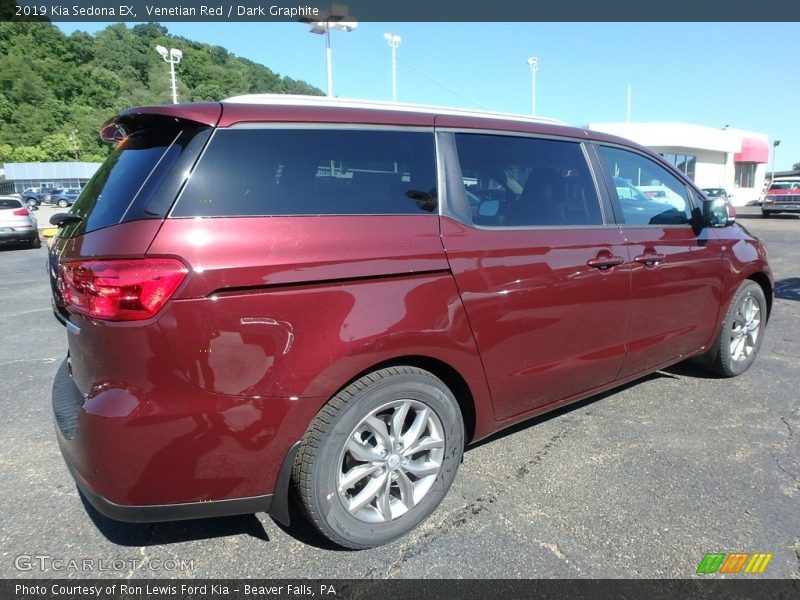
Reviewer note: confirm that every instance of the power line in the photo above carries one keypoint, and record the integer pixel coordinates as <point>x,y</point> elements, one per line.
<point>423,74</point>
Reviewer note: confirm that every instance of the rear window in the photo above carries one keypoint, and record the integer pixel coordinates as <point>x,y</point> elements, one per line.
<point>141,179</point>
<point>266,171</point>
<point>10,203</point>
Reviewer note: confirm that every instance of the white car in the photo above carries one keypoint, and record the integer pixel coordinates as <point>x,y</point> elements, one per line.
<point>661,193</point>
<point>17,223</point>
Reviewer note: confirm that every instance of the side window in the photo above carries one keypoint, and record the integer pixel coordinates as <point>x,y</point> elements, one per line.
<point>648,193</point>
<point>248,172</point>
<point>526,182</point>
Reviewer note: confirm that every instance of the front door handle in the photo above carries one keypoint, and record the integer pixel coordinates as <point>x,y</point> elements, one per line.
<point>650,259</point>
<point>605,262</point>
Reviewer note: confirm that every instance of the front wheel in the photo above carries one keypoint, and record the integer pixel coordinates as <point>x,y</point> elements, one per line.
<point>740,337</point>
<point>63,203</point>
<point>379,457</point>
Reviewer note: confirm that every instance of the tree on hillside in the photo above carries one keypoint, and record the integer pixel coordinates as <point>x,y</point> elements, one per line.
<point>57,90</point>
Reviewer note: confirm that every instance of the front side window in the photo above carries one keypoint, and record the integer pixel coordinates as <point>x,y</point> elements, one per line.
<point>264,171</point>
<point>513,181</point>
<point>648,193</point>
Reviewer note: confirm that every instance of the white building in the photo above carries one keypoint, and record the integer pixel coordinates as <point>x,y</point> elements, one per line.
<point>728,158</point>
<point>19,176</point>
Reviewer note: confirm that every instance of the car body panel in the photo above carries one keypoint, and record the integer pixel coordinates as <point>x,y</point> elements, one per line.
<point>547,325</point>
<point>664,295</point>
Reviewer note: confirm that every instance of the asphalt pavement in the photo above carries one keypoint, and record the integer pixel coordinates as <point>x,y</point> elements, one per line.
<point>638,482</point>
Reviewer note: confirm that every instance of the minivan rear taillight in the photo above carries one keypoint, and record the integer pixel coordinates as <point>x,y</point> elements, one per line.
<point>120,290</point>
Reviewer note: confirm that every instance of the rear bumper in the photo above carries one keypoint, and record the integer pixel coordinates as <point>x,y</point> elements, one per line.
<point>19,235</point>
<point>152,513</point>
<point>779,208</point>
<point>160,467</point>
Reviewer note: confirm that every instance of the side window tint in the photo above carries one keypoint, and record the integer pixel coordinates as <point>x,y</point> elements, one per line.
<point>248,172</point>
<point>648,193</point>
<point>526,182</point>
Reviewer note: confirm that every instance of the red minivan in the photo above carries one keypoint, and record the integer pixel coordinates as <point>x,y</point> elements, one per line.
<point>276,293</point>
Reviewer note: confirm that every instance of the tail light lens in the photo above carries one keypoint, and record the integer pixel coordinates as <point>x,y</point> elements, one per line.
<point>120,290</point>
<point>21,212</point>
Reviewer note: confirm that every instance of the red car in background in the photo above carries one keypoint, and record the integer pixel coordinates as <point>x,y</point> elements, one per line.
<point>782,196</point>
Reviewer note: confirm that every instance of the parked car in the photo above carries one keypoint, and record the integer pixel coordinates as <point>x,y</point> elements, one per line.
<point>318,306</point>
<point>17,223</point>
<point>33,195</point>
<point>664,195</point>
<point>782,196</point>
<point>717,194</point>
<point>63,197</point>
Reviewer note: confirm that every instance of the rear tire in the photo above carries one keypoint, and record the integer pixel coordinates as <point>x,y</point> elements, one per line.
<point>765,215</point>
<point>739,339</point>
<point>36,242</point>
<point>379,457</point>
<point>63,203</point>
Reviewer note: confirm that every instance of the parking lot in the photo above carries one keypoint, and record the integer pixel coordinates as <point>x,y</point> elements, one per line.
<point>638,482</point>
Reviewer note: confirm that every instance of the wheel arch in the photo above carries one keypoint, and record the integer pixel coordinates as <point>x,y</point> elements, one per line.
<point>766,286</point>
<point>455,382</point>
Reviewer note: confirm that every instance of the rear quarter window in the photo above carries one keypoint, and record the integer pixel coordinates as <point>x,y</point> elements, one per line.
<point>141,178</point>
<point>276,171</point>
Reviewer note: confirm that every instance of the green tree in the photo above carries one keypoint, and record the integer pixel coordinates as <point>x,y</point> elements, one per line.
<point>28,154</point>
<point>58,147</point>
<point>52,84</point>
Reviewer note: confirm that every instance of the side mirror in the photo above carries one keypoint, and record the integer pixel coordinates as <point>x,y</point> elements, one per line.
<point>718,213</point>
<point>489,208</point>
<point>33,207</point>
<point>62,219</point>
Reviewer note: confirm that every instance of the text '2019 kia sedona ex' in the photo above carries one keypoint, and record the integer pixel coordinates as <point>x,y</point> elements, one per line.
<point>268,294</point>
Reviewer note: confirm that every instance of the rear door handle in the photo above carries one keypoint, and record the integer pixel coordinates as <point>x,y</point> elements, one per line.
<point>606,262</point>
<point>650,260</point>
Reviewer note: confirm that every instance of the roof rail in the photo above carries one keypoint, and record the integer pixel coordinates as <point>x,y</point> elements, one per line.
<point>325,101</point>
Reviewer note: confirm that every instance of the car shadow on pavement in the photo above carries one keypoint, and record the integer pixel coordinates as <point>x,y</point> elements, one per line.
<point>554,414</point>
<point>171,532</point>
<point>788,289</point>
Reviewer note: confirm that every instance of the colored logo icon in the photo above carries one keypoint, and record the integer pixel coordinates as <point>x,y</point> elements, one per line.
<point>734,562</point>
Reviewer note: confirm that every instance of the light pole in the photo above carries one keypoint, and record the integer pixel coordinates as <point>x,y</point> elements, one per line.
<point>533,63</point>
<point>336,19</point>
<point>775,145</point>
<point>394,43</point>
<point>172,56</point>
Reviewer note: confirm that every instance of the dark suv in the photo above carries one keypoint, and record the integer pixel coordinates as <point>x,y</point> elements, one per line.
<point>268,293</point>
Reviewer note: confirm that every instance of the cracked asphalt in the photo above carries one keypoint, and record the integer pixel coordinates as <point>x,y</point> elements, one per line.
<point>638,482</point>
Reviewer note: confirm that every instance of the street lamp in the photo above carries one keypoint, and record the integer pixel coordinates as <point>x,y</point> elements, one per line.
<point>336,18</point>
<point>394,43</point>
<point>172,56</point>
<point>533,63</point>
<point>775,145</point>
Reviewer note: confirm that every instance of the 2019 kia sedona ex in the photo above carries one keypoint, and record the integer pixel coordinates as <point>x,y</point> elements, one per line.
<point>277,293</point>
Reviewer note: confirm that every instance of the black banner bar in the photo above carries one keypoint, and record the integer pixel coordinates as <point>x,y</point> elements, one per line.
<point>166,11</point>
<point>357,589</point>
